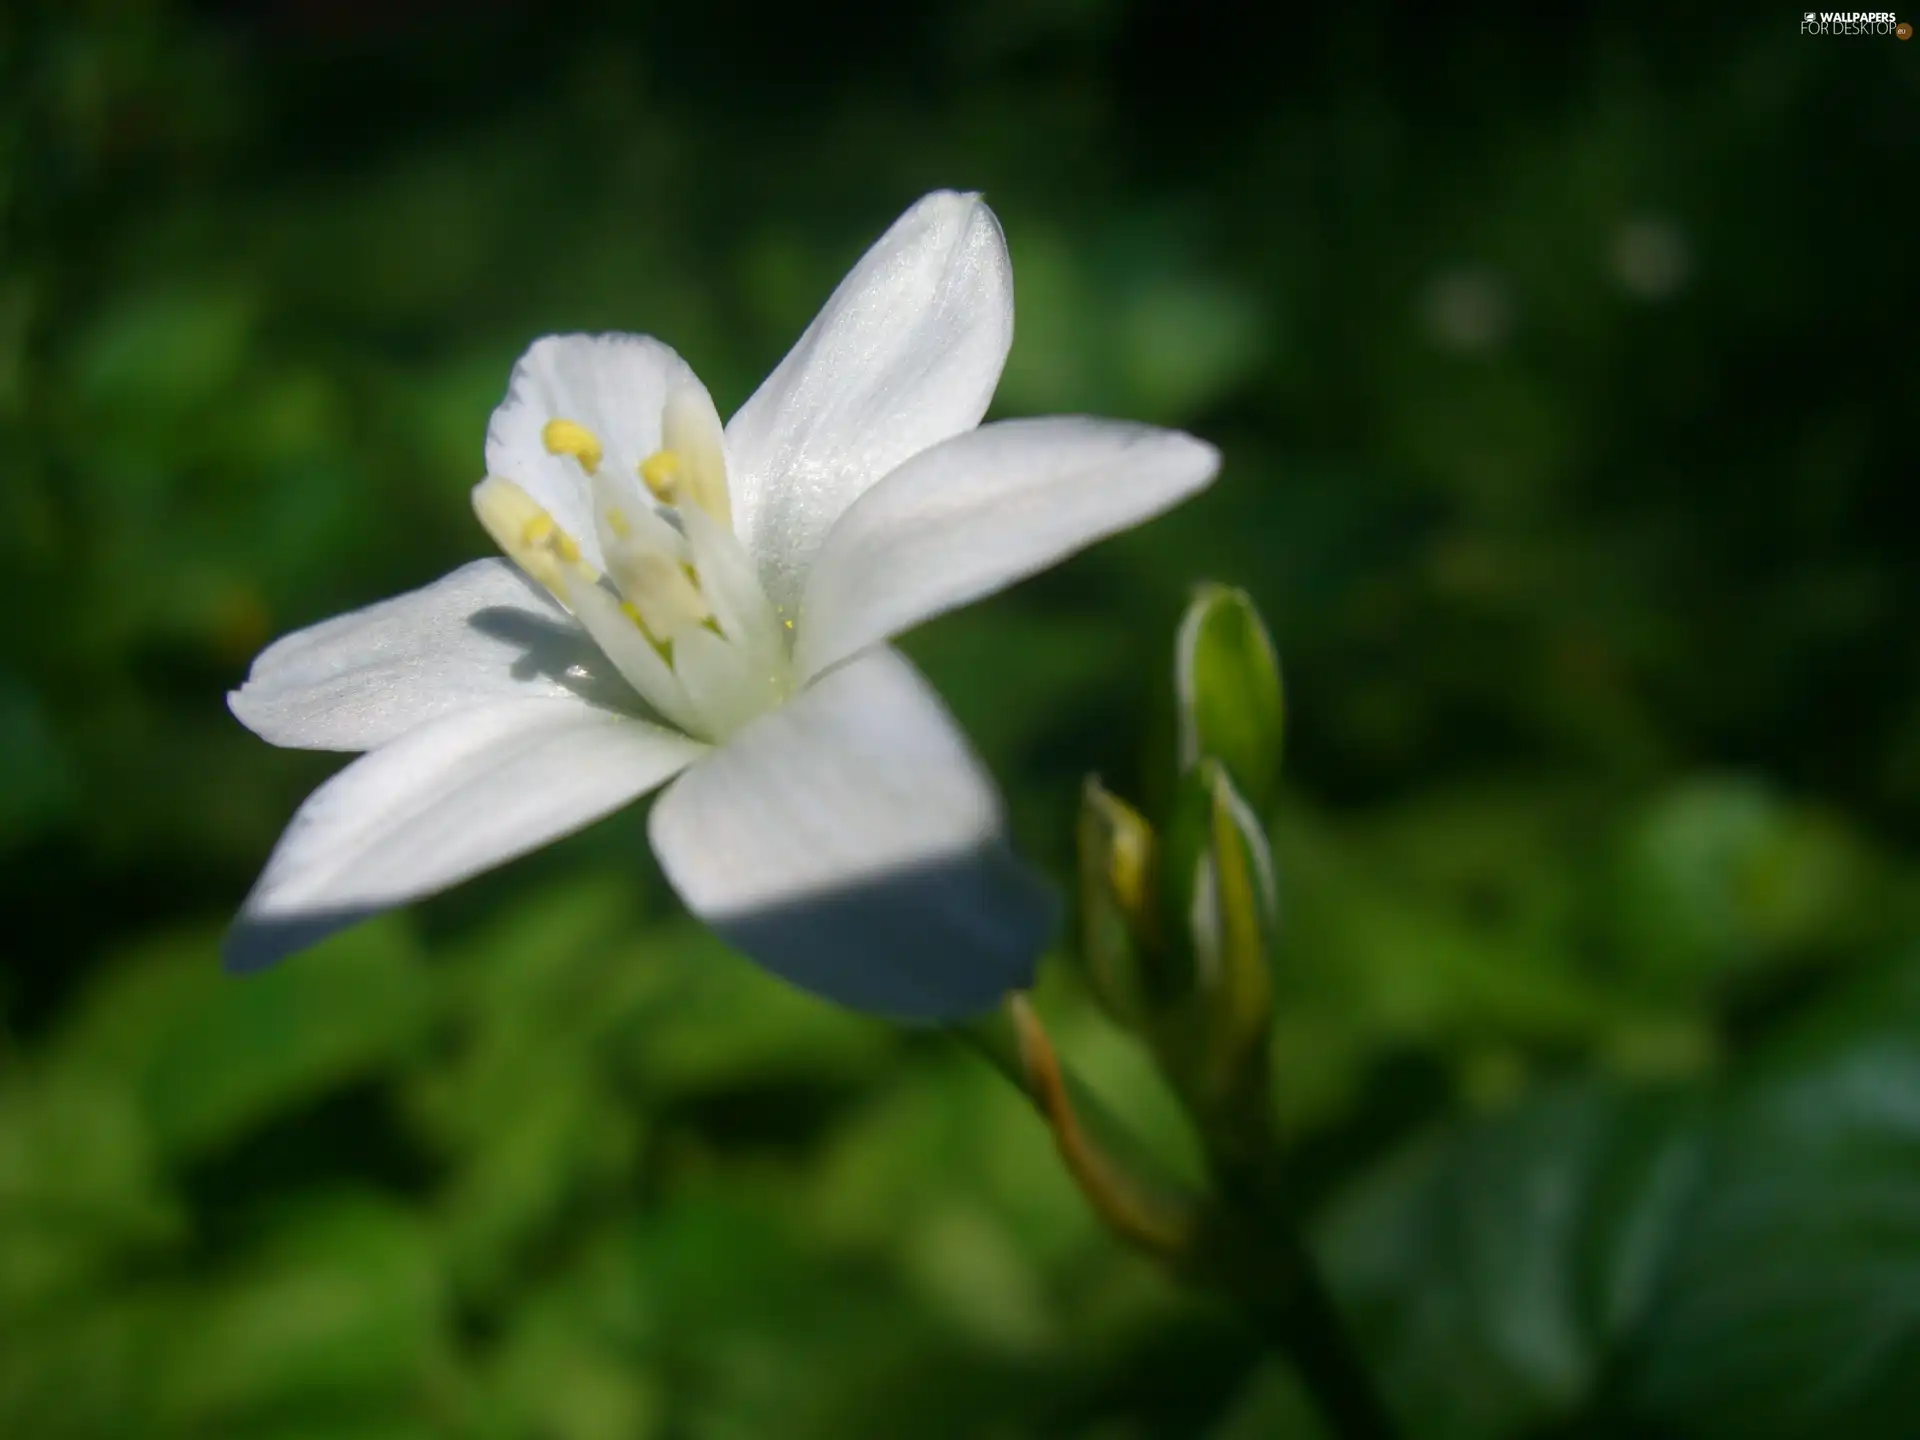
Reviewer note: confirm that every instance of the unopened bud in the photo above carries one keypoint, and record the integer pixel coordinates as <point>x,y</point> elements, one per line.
<point>1117,881</point>
<point>1223,908</point>
<point>1227,685</point>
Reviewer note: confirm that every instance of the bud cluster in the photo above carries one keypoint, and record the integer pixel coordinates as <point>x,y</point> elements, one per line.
<point>1177,922</point>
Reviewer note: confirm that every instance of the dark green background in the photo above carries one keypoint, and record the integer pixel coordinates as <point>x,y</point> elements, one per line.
<point>1564,370</point>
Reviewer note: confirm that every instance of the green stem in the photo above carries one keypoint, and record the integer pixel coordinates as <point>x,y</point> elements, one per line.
<point>1131,1193</point>
<point>1244,1244</point>
<point>1265,1267</point>
<point>1323,1348</point>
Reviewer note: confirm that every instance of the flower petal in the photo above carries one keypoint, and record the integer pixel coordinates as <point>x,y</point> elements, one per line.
<point>985,509</point>
<point>851,843</point>
<point>484,633</point>
<point>905,354</point>
<point>614,385</point>
<point>463,794</point>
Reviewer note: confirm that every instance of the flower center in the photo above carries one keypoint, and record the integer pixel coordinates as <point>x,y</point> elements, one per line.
<point>678,610</point>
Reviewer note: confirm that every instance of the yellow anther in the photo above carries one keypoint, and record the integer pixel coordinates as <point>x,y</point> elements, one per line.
<point>542,532</point>
<point>618,523</point>
<point>661,471</point>
<point>526,533</point>
<point>569,437</point>
<point>691,429</point>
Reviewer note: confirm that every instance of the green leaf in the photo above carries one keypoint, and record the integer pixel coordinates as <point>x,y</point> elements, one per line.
<point>524,1104</point>
<point>572,1364</point>
<point>342,1304</point>
<point>1450,923</point>
<point>87,1369</point>
<point>721,1022</point>
<point>1721,878</point>
<point>81,1190</point>
<point>1493,1268</point>
<point>1793,1308</point>
<point>211,1055</point>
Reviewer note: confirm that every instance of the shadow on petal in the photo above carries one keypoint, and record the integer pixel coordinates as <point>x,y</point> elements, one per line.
<point>561,651</point>
<point>257,942</point>
<point>940,940</point>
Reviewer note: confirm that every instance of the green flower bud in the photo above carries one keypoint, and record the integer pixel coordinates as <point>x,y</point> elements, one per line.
<point>1222,914</point>
<point>1226,676</point>
<point>1117,901</point>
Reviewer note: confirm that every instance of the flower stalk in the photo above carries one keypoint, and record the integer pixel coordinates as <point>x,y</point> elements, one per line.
<point>1241,1242</point>
<point>1178,930</point>
<point>1133,1197</point>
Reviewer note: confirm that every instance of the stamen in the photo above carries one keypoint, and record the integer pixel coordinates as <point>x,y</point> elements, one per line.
<point>646,557</point>
<point>668,600</point>
<point>530,538</point>
<point>690,430</point>
<point>542,531</point>
<point>525,533</point>
<point>569,437</point>
<point>661,471</point>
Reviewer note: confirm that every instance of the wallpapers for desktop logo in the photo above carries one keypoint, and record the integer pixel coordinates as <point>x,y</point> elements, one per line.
<point>1834,22</point>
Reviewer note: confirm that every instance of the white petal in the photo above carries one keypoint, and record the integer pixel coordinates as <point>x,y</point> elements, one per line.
<point>852,844</point>
<point>614,385</point>
<point>484,633</point>
<point>905,354</point>
<point>985,509</point>
<point>446,801</point>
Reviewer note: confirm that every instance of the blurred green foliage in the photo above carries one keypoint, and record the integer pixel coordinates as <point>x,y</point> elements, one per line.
<point>1560,361</point>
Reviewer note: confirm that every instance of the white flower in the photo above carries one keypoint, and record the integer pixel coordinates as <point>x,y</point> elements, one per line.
<point>715,604</point>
